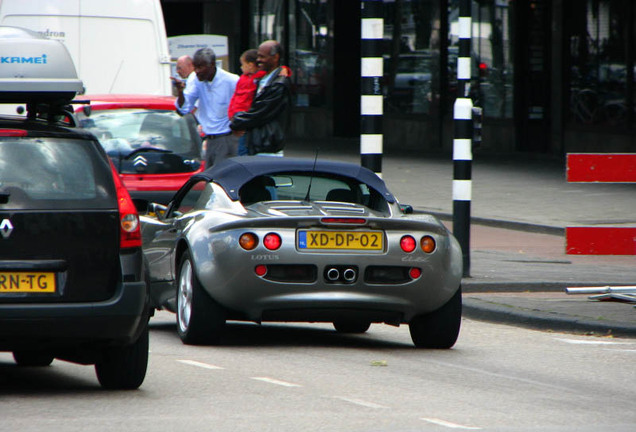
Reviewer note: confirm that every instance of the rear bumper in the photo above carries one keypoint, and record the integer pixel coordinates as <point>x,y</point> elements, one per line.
<point>117,320</point>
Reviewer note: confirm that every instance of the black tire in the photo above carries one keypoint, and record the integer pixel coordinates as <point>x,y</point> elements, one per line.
<point>33,358</point>
<point>351,326</point>
<point>440,328</point>
<point>200,320</point>
<point>124,367</point>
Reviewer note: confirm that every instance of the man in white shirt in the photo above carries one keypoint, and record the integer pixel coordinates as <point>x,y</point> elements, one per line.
<point>185,69</point>
<point>213,90</point>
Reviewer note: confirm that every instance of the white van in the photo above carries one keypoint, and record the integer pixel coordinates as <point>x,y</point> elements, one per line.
<point>118,46</point>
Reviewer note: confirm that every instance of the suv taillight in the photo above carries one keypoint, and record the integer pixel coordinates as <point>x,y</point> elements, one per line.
<point>129,230</point>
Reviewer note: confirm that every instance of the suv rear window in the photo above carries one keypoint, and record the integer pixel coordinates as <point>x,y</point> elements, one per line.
<point>46,173</point>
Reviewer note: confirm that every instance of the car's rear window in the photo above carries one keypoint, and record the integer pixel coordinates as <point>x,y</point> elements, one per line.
<point>121,131</point>
<point>311,187</point>
<point>52,173</point>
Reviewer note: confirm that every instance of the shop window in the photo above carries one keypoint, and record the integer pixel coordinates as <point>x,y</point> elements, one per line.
<point>601,63</point>
<point>269,20</point>
<point>304,28</point>
<point>491,56</point>
<point>411,62</point>
<point>309,52</point>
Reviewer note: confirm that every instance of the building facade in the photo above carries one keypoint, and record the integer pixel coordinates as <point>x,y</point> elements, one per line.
<point>552,77</point>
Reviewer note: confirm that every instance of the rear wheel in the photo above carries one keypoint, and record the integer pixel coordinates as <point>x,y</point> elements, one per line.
<point>124,367</point>
<point>440,328</point>
<point>32,358</point>
<point>351,326</point>
<point>200,320</point>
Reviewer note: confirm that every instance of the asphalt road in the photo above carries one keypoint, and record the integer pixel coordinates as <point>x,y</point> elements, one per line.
<point>303,377</point>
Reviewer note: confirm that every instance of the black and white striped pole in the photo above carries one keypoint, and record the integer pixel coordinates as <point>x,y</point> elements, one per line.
<point>462,142</point>
<point>371,99</point>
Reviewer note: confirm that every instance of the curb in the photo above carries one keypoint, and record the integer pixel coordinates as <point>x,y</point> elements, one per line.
<point>529,318</point>
<point>500,223</point>
<point>469,286</point>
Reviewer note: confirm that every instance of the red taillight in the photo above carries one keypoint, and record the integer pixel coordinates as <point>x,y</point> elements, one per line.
<point>415,272</point>
<point>272,241</point>
<point>129,230</point>
<point>407,243</point>
<point>13,133</point>
<point>248,241</point>
<point>260,270</point>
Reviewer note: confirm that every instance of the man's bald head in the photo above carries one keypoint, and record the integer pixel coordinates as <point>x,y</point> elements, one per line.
<point>184,66</point>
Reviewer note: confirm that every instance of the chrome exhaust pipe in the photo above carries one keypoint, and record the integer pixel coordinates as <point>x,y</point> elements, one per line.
<point>349,275</point>
<point>333,274</point>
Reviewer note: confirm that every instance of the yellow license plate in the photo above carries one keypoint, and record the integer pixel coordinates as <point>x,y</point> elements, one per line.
<point>346,240</point>
<point>27,282</point>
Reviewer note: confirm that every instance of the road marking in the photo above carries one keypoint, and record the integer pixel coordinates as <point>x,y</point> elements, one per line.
<point>449,424</point>
<point>275,381</point>
<point>499,375</point>
<point>199,364</point>
<point>593,342</point>
<point>360,402</point>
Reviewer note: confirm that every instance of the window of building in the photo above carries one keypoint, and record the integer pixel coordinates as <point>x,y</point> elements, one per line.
<point>601,77</point>
<point>411,61</point>
<point>269,20</point>
<point>309,52</point>
<point>303,27</point>
<point>492,63</point>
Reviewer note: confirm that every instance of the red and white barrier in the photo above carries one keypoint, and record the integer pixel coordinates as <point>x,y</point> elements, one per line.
<point>601,168</point>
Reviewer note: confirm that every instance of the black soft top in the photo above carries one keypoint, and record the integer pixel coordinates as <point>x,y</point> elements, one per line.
<point>233,173</point>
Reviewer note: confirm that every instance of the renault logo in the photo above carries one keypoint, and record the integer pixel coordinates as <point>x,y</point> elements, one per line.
<point>6,228</point>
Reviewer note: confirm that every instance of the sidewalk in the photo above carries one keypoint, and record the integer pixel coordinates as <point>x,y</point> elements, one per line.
<point>521,205</point>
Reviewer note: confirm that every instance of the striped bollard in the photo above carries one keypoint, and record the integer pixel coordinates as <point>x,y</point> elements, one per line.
<point>462,142</point>
<point>371,99</point>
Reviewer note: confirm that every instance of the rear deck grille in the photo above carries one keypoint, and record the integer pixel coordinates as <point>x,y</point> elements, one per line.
<point>387,275</point>
<point>300,273</point>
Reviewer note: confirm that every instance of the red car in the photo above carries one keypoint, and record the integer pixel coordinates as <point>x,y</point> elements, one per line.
<point>154,149</point>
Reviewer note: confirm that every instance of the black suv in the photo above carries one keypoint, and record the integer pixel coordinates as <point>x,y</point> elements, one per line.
<point>72,283</point>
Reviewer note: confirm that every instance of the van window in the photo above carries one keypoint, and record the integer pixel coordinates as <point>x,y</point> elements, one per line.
<point>41,173</point>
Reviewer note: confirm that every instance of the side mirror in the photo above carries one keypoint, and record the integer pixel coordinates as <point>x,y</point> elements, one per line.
<point>406,208</point>
<point>156,210</point>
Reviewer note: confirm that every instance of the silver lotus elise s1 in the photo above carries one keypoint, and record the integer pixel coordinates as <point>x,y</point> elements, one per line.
<point>283,239</point>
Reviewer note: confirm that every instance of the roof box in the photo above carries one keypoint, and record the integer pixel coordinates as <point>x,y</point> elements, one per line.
<point>35,69</point>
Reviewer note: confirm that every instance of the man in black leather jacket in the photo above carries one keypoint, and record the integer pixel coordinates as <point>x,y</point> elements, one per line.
<point>265,123</point>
